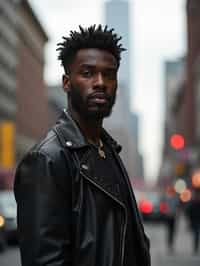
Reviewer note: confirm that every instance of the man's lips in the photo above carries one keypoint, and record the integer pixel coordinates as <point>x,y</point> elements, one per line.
<point>99,98</point>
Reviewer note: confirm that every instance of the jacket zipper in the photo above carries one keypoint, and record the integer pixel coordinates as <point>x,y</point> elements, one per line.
<point>124,207</point>
<point>130,191</point>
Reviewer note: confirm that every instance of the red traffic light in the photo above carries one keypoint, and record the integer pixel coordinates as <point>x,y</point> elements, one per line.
<point>177,141</point>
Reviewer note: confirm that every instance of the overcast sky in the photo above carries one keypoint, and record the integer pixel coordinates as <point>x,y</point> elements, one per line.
<point>158,34</point>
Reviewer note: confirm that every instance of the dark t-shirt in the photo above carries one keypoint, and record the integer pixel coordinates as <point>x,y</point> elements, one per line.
<point>113,173</point>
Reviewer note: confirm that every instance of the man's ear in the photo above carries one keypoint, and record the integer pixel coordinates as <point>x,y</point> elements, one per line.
<point>66,83</point>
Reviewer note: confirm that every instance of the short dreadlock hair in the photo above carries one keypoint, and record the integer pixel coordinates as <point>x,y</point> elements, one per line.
<point>91,37</point>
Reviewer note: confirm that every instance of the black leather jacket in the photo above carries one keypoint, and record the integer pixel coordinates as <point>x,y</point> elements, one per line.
<point>66,214</point>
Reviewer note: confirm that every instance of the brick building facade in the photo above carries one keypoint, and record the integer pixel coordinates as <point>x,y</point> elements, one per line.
<point>31,93</point>
<point>193,34</point>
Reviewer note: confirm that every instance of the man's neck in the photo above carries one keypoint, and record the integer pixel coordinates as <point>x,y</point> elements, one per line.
<point>90,128</point>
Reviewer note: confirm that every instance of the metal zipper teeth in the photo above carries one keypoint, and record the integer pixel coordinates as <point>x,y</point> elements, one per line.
<point>141,228</point>
<point>129,190</point>
<point>131,193</point>
<point>110,195</point>
<point>121,204</point>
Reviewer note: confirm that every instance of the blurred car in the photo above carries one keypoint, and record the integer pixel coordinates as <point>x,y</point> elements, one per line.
<point>152,208</point>
<point>8,211</point>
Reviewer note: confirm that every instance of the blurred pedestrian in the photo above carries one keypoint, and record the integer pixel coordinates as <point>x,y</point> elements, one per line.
<point>172,213</point>
<point>193,214</point>
<point>75,202</point>
<point>170,205</point>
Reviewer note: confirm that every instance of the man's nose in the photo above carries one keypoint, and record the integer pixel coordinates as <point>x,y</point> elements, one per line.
<point>99,80</point>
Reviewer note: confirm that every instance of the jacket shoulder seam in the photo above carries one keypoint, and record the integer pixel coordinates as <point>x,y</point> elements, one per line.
<point>45,141</point>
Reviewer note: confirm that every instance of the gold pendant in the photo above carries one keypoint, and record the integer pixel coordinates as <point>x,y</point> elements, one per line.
<point>101,153</point>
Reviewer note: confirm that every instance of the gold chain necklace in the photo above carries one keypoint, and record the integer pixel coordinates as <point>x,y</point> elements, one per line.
<point>101,152</point>
<point>99,148</point>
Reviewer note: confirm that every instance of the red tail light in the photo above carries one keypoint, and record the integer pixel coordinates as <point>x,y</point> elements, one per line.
<point>146,206</point>
<point>164,208</point>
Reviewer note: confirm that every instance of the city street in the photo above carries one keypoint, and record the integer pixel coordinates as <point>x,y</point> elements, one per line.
<point>62,64</point>
<point>182,255</point>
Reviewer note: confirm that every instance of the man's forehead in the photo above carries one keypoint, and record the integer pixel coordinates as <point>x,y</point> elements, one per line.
<point>94,56</point>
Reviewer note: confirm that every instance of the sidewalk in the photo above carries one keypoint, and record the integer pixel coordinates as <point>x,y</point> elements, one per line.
<point>177,260</point>
<point>182,254</point>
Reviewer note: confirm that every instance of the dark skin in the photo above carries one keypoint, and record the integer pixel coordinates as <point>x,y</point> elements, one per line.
<point>93,75</point>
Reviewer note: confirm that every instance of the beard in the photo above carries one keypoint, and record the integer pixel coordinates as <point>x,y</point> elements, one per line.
<point>94,111</point>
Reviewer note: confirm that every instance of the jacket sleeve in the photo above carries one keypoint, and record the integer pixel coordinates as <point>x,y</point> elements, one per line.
<point>43,212</point>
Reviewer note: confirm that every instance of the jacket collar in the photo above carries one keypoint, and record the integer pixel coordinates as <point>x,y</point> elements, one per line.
<point>72,136</point>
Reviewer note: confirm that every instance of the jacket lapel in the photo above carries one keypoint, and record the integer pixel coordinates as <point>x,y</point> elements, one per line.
<point>71,138</point>
<point>101,182</point>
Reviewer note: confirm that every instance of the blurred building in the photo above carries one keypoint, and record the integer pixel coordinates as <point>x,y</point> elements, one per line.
<point>139,162</point>
<point>57,102</point>
<point>23,95</point>
<point>193,74</point>
<point>193,29</point>
<point>8,59</point>
<point>183,110</point>
<point>31,92</point>
<point>174,92</point>
<point>8,66</point>
<point>197,103</point>
<point>121,124</point>
<point>174,87</point>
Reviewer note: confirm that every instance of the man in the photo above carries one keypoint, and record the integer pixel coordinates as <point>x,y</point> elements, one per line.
<point>75,202</point>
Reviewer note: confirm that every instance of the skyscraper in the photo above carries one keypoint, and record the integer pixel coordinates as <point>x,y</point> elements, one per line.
<point>117,15</point>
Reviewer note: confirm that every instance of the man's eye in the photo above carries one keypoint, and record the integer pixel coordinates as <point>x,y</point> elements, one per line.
<point>86,73</point>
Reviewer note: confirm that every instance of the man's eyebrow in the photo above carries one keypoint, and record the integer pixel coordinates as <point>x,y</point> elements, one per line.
<point>91,65</point>
<point>87,65</point>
